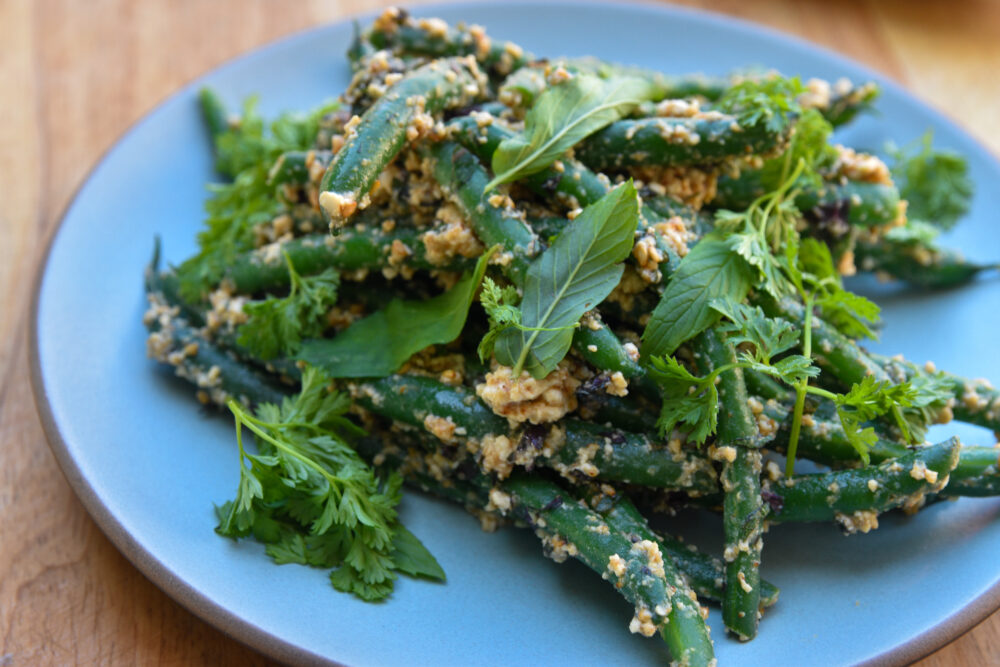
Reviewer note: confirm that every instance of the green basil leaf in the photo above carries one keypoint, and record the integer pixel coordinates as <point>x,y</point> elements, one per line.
<point>575,274</point>
<point>710,271</point>
<point>379,344</point>
<point>562,116</point>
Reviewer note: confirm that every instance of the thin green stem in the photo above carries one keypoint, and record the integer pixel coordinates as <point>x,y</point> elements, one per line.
<point>801,388</point>
<point>241,416</point>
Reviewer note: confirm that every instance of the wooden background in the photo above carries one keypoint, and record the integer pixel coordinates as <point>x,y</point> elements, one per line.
<point>74,75</point>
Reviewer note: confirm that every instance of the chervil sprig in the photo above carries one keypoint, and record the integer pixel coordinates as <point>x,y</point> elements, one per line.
<point>276,326</point>
<point>312,500</point>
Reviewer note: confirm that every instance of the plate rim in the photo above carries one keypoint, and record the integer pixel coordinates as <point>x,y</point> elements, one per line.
<point>944,632</point>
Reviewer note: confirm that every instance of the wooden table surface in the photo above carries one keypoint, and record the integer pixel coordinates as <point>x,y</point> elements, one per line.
<point>74,75</point>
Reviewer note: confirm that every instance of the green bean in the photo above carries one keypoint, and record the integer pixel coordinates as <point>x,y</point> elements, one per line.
<point>359,49</point>
<point>685,630</point>
<point>434,38</point>
<point>928,267</point>
<point>218,374</point>
<point>743,512</point>
<point>635,569</point>
<point>675,142</point>
<point>589,450</point>
<point>354,249</point>
<point>293,167</point>
<point>703,573</point>
<point>602,349</point>
<point>855,497</point>
<point>977,473</point>
<point>460,173</point>
<point>386,127</point>
<point>215,113</point>
<point>574,183</point>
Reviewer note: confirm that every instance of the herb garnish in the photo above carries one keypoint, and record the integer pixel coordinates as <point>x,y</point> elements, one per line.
<point>312,500</point>
<point>380,344</point>
<point>563,115</point>
<point>276,326</point>
<point>576,273</point>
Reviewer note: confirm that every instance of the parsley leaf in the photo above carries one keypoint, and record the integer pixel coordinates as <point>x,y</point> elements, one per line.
<point>563,115</point>
<point>312,500</point>
<point>810,144</point>
<point>865,401</point>
<point>851,314</point>
<point>276,326</point>
<point>687,399</point>
<point>936,184</point>
<point>379,344</point>
<point>577,272</point>
<point>765,337</point>
<point>771,101</point>
<point>244,152</point>
<point>501,308</point>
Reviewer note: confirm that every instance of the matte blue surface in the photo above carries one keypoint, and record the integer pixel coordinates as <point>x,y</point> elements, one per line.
<point>155,464</point>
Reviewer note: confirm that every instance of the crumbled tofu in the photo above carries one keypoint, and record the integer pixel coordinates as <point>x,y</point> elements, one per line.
<point>527,399</point>
<point>496,451</point>
<point>443,428</point>
<point>861,521</point>
<point>618,385</point>
<point>861,167</point>
<point>616,564</point>
<point>499,500</point>
<point>920,471</point>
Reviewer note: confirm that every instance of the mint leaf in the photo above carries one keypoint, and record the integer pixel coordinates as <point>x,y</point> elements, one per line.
<point>710,271</point>
<point>379,344</point>
<point>573,275</point>
<point>562,116</point>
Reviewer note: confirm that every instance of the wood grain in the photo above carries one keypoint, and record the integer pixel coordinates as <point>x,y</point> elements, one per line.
<point>74,76</point>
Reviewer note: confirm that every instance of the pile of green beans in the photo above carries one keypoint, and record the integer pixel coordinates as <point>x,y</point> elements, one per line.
<point>588,482</point>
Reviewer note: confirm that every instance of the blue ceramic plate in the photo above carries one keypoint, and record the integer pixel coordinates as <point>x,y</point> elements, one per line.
<point>148,464</point>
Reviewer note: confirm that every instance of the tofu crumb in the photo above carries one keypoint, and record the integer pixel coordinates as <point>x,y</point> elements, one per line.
<point>618,385</point>
<point>747,588</point>
<point>495,450</point>
<point>499,500</point>
<point>920,471</point>
<point>527,399</point>
<point>616,564</point>
<point>443,428</point>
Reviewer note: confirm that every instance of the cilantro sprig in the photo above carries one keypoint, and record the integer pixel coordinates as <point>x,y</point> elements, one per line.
<point>936,184</point>
<point>312,500</point>
<point>245,152</point>
<point>276,326</point>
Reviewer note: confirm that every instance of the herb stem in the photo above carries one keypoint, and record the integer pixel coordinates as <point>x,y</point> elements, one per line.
<point>241,416</point>
<point>801,388</point>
